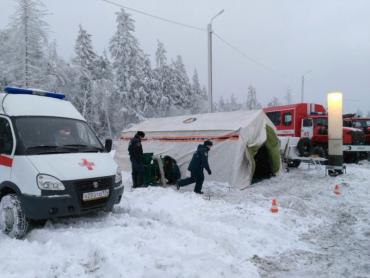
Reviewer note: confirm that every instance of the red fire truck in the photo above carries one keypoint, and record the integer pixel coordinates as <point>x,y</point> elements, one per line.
<point>357,122</point>
<point>309,122</point>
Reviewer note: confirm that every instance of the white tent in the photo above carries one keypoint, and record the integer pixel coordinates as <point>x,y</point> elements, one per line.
<point>234,134</point>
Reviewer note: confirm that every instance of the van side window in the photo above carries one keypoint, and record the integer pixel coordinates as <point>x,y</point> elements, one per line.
<point>307,122</point>
<point>6,137</point>
<point>274,117</point>
<point>287,118</point>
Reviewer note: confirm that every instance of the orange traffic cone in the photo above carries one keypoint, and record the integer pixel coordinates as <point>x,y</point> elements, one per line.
<point>274,208</point>
<point>337,189</point>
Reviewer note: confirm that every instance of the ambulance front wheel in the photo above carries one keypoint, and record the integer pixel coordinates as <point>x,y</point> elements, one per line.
<point>13,222</point>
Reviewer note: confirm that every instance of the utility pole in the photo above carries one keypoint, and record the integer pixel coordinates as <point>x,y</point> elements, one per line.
<point>210,96</point>
<point>302,89</point>
<point>302,86</point>
<point>210,80</point>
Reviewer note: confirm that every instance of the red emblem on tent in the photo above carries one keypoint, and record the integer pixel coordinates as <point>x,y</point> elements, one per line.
<point>87,164</point>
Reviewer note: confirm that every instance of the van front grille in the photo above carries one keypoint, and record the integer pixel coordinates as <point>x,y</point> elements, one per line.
<point>91,185</point>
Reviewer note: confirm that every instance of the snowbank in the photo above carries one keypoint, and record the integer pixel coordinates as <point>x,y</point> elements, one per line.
<point>160,232</point>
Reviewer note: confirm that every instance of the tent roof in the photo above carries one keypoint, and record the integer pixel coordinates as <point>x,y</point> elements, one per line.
<point>221,121</point>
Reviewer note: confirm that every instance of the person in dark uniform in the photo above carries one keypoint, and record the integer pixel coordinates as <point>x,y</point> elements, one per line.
<point>135,151</point>
<point>171,170</point>
<point>198,163</point>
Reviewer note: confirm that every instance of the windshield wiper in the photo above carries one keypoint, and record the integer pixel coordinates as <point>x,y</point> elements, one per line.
<point>84,147</point>
<point>46,149</point>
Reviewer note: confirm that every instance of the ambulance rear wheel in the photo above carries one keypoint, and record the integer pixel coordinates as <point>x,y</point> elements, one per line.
<point>304,147</point>
<point>13,222</point>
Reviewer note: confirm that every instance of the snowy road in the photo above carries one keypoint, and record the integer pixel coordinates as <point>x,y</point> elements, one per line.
<point>159,232</point>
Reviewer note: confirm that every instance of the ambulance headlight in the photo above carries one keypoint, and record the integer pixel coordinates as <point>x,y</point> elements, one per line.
<point>118,177</point>
<point>46,182</point>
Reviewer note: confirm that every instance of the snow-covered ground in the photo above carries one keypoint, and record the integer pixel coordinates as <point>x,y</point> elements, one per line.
<point>160,232</point>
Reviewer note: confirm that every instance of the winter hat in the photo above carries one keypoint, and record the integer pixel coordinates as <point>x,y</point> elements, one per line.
<point>208,143</point>
<point>140,133</point>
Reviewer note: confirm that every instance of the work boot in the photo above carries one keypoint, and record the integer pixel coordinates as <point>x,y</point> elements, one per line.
<point>199,192</point>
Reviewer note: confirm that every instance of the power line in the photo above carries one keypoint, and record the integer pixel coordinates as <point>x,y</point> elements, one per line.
<point>155,16</point>
<point>198,29</point>
<point>245,55</point>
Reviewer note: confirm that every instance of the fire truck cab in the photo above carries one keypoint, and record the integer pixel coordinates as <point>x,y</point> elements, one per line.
<point>309,122</point>
<point>360,123</point>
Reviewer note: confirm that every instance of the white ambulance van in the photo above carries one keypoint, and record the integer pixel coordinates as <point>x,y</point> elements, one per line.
<point>51,162</point>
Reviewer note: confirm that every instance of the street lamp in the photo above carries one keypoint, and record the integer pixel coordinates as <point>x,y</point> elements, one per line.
<point>209,33</point>
<point>302,88</point>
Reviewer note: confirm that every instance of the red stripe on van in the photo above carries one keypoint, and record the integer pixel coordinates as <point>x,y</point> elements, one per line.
<point>6,161</point>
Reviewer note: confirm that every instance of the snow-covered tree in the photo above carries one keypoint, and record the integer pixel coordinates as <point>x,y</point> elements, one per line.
<point>274,102</point>
<point>221,106</point>
<point>103,101</point>
<point>5,47</point>
<point>85,61</point>
<point>181,97</point>
<point>160,55</point>
<point>110,94</point>
<point>85,55</point>
<point>128,61</point>
<point>234,105</point>
<point>199,97</point>
<point>163,81</point>
<point>252,102</point>
<point>27,43</point>
<point>230,104</point>
<point>288,97</point>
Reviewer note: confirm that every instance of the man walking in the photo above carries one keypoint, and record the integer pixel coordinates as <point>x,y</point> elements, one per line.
<point>135,151</point>
<point>198,163</point>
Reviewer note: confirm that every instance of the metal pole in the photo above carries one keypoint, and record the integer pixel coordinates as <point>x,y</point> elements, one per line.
<point>210,83</point>
<point>210,98</point>
<point>302,89</point>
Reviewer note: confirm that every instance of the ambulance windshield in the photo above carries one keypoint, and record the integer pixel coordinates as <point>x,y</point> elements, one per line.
<point>41,135</point>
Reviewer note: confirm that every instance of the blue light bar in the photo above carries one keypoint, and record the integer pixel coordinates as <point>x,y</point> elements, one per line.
<point>21,91</point>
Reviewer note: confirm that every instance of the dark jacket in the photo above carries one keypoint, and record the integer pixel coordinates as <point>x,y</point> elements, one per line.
<point>199,160</point>
<point>171,169</point>
<point>135,149</point>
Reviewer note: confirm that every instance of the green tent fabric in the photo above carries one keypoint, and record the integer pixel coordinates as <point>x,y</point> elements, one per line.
<point>273,152</point>
<point>272,145</point>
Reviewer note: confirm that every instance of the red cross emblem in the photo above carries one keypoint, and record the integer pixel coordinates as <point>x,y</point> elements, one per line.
<point>87,164</point>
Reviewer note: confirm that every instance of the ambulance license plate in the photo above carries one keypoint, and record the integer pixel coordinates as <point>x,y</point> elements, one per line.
<point>90,196</point>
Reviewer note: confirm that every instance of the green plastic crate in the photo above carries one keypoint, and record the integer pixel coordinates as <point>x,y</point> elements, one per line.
<point>151,170</point>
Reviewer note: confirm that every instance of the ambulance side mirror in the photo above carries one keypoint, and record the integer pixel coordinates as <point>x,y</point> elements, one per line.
<point>108,145</point>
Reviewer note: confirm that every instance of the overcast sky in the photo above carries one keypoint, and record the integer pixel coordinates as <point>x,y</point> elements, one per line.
<point>330,38</point>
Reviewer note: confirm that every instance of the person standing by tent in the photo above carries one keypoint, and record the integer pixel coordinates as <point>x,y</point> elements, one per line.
<point>135,151</point>
<point>198,163</point>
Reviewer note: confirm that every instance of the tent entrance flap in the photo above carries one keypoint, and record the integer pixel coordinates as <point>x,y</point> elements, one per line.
<point>266,158</point>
